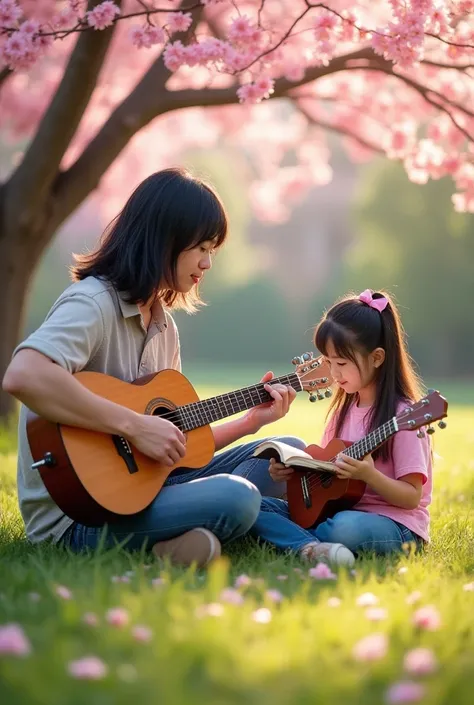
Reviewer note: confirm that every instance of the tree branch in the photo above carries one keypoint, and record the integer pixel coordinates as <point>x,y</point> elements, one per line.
<point>30,184</point>
<point>339,130</point>
<point>4,74</point>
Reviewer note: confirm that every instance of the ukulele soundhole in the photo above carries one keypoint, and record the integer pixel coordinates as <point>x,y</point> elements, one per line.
<point>326,480</point>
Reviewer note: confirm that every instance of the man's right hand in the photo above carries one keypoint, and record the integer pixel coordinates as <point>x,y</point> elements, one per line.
<point>159,439</point>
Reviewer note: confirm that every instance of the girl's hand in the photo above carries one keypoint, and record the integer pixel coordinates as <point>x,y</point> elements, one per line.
<point>279,472</point>
<point>351,469</point>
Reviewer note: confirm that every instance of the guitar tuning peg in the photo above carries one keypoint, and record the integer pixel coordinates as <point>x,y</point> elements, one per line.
<point>430,430</point>
<point>420,434</point>
<point>320,395</point>
<point>296,361</point>
<point>306,356</point>
<point>328,393</point>
<point>442,424</point>
<point>313,397</point>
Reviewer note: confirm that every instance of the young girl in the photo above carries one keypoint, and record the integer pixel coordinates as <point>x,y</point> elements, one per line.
<point>363,340</point>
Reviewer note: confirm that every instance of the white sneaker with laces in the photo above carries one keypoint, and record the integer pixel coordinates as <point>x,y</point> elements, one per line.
<point>336,554</point>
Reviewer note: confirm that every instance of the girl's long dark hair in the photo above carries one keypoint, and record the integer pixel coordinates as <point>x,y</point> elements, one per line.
<point>169,212</point>
<point>351,325</point>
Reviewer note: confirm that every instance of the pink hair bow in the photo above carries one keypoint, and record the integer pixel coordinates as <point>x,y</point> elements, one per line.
<point>367,298</point>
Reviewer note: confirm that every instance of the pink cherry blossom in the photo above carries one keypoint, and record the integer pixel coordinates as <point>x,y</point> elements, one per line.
<point>88,668</point>
<point>262,615</point>
<point>146,37</point>
<point>405,692</point>
<point>427,618</point>
<point>179,21</point>
<point>117,617</point>
<point>371,648</point>
<point>10,13</point>
<point>420,661</point>
<point>321,572</point>
<point>103,15</point>
<point>13,640</point>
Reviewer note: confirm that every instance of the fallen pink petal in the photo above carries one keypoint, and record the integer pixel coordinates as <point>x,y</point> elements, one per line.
<point>13,640</point>
<point>242,581</point>
<point>427,618</point>
<point>63,592</point>
<point>376,614</point>
<point>371,648</point>
<point>117,617</point>
<point>333,602</point>
<point>321,572</point>
<point>274,595</point>
<point>420,662</point>
<point>88,668</point>
<point>405,692</point>
<point>367,599</point>
<point>142,633</point>
<point>90,619</point>
<point>262,615</point>
<point>232,596</point>
<point>213,609</point>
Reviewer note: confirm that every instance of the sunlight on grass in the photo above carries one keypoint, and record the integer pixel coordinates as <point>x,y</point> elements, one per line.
<point>207,647</point>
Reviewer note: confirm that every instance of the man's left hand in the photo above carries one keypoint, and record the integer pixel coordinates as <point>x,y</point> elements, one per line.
<point>282,398</point>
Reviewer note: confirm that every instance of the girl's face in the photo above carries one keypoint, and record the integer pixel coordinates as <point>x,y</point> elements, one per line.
<point>354,378</point>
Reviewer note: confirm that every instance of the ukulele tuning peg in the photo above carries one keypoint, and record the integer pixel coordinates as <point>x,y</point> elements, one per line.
<point>420,434</point>
<point>430,430</point>
<point>320,395</point>
<point>328,393</point>
<point>442,424</point>
<point>297,361</point>
<point>313,397</point>
<point>306,356</point>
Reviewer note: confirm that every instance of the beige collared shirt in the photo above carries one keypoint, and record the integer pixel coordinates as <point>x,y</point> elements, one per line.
<point>90,327</point>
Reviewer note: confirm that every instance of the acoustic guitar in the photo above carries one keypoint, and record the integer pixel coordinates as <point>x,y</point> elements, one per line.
<point>96,478</point>
<point>314,495</point>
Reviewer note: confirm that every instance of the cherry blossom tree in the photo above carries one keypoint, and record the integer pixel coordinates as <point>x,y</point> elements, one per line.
<point>91,93</point>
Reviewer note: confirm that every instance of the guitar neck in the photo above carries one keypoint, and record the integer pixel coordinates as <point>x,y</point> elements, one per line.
<point>201,413</point>
<point>373,440</point>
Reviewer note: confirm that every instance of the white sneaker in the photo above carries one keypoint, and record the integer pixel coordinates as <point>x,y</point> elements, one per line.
<point>336,554</point>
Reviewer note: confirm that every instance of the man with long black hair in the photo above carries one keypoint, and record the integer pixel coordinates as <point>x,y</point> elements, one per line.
<point>115,319</point>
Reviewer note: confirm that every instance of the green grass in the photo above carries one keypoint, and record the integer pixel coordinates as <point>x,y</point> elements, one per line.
<point>303,655</point>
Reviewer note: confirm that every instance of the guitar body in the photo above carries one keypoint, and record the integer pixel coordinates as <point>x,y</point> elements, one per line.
<point>96,480</point>
<point>313,496</point>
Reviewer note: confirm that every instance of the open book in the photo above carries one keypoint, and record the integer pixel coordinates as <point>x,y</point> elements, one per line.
<point>298,459</point>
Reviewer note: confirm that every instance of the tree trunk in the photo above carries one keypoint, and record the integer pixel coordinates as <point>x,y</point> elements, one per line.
<point>17,265</point>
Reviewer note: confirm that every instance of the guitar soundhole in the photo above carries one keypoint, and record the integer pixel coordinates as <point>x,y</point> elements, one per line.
<point>172,415</point>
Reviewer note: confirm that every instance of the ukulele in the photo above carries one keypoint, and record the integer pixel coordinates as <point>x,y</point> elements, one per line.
<point>314,495</point>
<point>95,477</point>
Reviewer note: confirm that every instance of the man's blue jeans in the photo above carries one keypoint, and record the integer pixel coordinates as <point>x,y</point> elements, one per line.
<point>358,531</point>
<point>223,497</point>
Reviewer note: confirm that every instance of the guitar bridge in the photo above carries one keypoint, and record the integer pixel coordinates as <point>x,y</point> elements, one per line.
<point>125,451</point>
<point>306,492</point>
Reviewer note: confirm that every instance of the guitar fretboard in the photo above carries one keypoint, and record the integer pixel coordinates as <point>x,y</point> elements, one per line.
<point>201,413</point>
<point>372,441</point>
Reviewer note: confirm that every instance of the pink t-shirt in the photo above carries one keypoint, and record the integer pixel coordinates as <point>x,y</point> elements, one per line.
<point>410,454</point>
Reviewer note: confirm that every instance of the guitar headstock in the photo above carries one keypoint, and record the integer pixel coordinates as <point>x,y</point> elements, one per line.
<point>431,408</point>
<point>314,375</point>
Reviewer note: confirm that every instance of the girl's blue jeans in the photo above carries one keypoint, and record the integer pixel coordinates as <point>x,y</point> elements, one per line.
<point>358,531</point>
